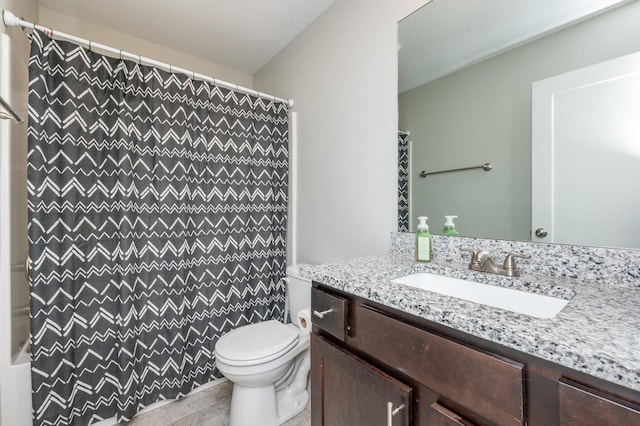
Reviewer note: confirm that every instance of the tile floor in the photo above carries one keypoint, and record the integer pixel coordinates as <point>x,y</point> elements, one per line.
<point>209,407</point>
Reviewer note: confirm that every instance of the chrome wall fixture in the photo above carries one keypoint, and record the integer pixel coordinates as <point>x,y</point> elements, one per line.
<point>486,167</point>
<point>10,113</point>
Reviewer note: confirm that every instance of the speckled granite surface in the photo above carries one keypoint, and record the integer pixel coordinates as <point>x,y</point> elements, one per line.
<point>598,332</point>
<point>607,265</point>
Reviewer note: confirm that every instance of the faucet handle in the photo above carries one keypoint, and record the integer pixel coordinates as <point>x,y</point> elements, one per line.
<point>510,266</point>
<point>475,255</point>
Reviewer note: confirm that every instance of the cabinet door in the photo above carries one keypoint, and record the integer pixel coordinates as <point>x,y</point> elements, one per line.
<point>580,405</point>
<point>348,391</point>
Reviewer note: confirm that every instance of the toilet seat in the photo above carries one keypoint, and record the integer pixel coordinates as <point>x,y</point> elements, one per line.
<point>256,343</point>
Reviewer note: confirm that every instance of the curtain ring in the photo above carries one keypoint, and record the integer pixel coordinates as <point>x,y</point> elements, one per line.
<point>170,69</point>
<point>193,75</point>
<point>120,54</point>
<point>89,45</point>
<point>139,59</point>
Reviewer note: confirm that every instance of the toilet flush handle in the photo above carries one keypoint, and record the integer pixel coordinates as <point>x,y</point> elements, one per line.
<point>323,313</point>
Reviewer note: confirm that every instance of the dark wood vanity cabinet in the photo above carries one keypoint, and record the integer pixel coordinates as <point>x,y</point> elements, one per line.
<point>366,356</point>
<point>346,389</point>
<point>473,381</point>
<point>377,394</point>
<point>583,405</point>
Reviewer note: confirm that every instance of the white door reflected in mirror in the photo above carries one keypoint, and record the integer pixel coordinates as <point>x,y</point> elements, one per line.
<point>588,118</point>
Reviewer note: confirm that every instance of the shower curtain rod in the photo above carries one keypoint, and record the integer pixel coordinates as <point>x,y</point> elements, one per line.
<point>11,20</point>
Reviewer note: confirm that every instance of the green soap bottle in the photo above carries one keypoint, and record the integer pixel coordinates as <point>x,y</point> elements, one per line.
<point>450,227</point>
<point>423,241</point>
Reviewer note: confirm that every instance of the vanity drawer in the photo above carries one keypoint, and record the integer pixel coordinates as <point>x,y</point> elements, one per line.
<point>329,312</point>
<point>581,405</point>
<point>441,416</point>
<point>489,385</point>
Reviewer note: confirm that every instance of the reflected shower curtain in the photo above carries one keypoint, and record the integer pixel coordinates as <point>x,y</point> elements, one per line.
<point>403,181</point>
<point>157,218</point>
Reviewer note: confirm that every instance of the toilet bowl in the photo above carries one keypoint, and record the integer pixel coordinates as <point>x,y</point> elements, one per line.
<point>268,363</point>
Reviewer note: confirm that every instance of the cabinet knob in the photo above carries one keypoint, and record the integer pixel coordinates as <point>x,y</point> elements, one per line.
<point>391,412</point>
<point>322,314</point>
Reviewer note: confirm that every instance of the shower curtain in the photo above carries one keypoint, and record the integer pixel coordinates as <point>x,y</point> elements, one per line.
<point>157,217</point>
<point>403,181</point>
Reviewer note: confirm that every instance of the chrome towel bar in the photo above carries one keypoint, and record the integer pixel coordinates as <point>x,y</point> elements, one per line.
<point>486,167</point>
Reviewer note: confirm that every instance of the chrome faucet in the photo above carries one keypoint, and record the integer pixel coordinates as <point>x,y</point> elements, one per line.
<point>482,262</point>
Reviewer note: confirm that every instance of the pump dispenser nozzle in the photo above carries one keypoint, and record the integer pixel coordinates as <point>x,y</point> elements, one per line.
<point>422,223</point>
<point>449,226</point>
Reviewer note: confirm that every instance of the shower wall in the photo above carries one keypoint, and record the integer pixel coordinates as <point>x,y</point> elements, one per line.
<point>15,386</point>
<point>17,80</point>
<point>18,211</point>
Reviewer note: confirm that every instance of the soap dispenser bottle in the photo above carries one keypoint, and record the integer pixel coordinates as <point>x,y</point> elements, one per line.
<point>423,241</point>
<point>450,227</point>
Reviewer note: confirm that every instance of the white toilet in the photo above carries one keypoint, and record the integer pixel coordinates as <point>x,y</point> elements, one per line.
<point>268,363</point>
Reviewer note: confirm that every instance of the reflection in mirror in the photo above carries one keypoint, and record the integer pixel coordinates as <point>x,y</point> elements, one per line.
<point>588,118</point>
<point>481,112</point>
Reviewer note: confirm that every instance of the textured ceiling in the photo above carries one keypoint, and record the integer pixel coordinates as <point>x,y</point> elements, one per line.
<point>240,34</point>
<point>448,35</point>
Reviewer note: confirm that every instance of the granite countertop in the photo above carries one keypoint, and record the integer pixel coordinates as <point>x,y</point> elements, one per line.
<point>598,332</point>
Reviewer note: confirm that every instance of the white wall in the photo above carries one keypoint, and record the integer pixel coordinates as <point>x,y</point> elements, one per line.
<point>100,34</point>
<point>19,59</point>
<point>342,73</point>
<point>15,394</point>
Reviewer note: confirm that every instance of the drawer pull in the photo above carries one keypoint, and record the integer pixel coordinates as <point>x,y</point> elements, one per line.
<point>391,412</point>
<point>323,313</point>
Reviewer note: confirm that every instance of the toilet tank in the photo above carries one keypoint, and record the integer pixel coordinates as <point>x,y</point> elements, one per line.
<point>298,290</point>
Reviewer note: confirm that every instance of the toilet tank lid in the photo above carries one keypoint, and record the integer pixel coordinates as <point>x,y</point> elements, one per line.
<point>257,341</point>
<point>294,270</point>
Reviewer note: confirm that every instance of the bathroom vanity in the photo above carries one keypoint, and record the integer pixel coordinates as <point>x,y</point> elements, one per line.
<point>384,353</point>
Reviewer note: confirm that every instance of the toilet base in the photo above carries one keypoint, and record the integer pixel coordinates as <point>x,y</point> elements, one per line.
<point>252,406</point>
<point>290,407</point>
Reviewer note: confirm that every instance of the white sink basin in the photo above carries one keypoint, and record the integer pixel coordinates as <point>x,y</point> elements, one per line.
<point>535,305</point>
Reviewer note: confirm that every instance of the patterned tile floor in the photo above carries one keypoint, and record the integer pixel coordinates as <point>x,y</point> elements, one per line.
<point>209,407</point>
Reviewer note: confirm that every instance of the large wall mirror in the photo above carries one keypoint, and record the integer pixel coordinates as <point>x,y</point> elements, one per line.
<point>466,71</point>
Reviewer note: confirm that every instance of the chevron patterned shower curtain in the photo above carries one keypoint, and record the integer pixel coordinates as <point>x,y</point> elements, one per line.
<point>403,182</point>
<point>157,217</point>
